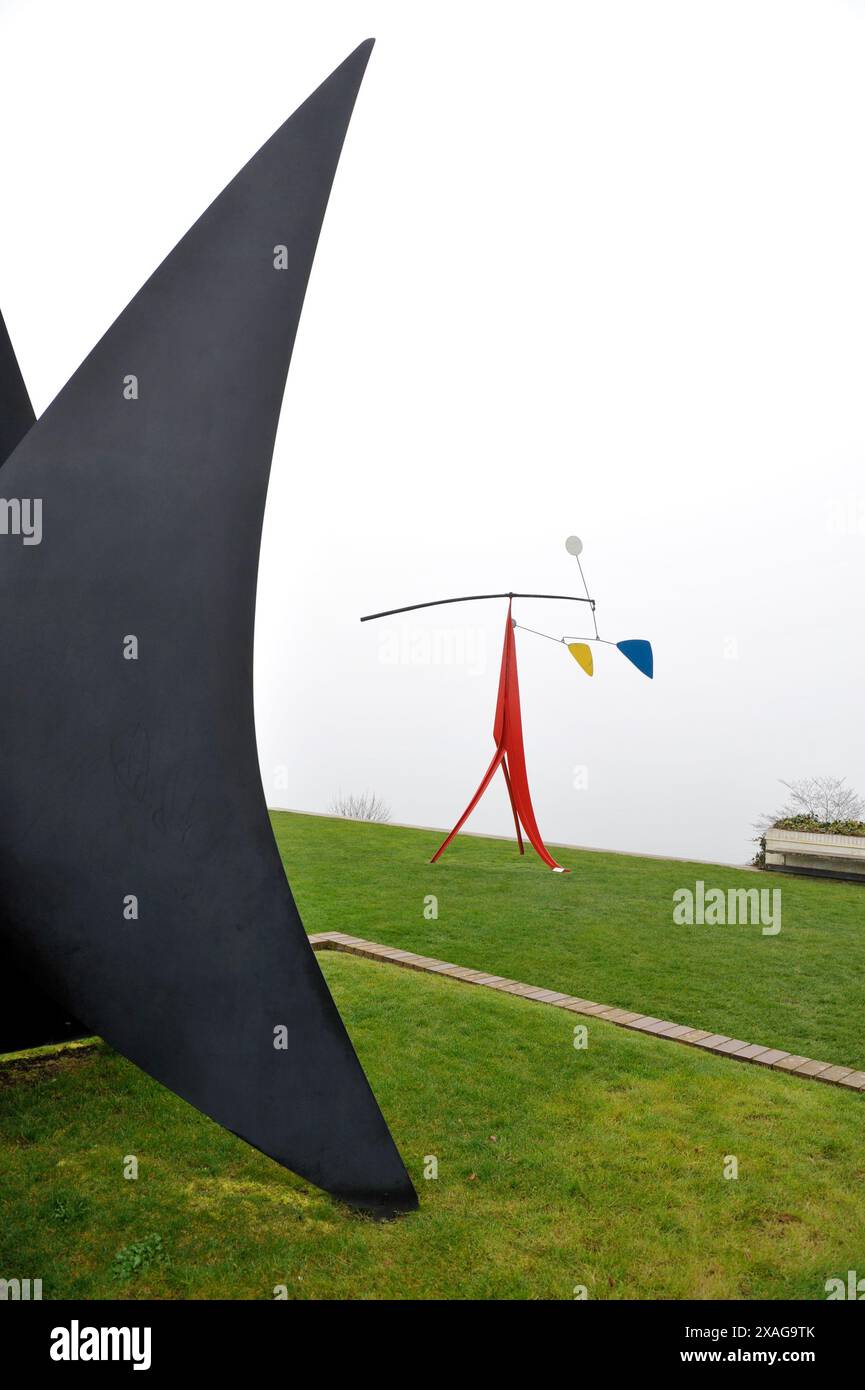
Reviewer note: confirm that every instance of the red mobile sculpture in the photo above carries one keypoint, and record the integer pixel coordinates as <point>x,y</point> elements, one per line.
<point>508,726</point>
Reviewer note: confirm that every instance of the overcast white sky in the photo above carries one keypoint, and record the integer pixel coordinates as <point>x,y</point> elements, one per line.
<point>588,267</point>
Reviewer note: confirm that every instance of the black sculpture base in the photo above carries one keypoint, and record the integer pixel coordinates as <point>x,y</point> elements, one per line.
<point>28,1018</point>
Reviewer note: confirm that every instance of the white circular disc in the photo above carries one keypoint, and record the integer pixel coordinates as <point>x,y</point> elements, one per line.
<point>573,545</point>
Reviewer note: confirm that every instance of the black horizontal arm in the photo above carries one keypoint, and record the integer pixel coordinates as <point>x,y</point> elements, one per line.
<point>471,598</point>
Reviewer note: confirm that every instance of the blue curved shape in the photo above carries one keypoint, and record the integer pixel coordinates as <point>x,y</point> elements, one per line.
<point>639,652</point>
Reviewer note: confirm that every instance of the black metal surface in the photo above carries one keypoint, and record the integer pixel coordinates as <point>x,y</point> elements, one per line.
<point>140,777</point>
<point>16,412</point>
<point>28,1018</point>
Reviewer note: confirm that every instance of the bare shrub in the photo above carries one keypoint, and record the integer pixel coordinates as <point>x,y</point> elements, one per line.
<point>363,807</point>
<point>822,799</point>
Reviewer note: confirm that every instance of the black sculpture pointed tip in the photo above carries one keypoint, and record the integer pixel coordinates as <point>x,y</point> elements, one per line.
<point>358,57</point>
<point>16,412</point>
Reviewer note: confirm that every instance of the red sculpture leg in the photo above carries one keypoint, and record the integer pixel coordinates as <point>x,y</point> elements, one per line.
<point>488,777</point>
<point>508,735</point>
<point>513,742</point>
<point>513,806</point>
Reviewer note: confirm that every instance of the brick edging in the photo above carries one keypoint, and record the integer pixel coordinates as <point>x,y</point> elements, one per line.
<point>734,1048</point>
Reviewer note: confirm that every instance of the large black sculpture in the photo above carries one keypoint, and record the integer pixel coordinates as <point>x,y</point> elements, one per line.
<point>28,1017</point>
<point>140,885</point>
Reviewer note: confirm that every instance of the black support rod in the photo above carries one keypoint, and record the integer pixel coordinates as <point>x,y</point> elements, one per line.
<point>472,598</point>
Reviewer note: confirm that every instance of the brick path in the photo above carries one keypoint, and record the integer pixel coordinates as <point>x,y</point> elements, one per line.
<point>718,1043</point>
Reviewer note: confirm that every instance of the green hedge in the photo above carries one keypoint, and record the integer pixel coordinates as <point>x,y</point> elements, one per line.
<point>821,827</point>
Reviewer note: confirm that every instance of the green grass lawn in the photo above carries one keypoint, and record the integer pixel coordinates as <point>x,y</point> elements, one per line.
<point>604,931</point>
<point>557,1168</point>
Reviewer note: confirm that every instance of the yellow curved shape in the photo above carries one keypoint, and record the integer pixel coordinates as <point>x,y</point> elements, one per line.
<point>583,656</point>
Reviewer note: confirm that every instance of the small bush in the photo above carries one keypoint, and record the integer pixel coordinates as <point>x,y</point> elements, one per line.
<point>365,807</point>
<point>823,799</point>
<point>820,827</point>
